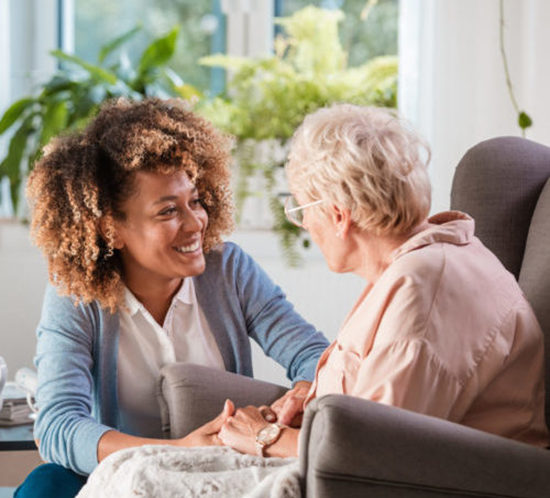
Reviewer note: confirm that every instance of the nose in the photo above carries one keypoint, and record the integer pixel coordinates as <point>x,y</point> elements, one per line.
<point>192,221</point>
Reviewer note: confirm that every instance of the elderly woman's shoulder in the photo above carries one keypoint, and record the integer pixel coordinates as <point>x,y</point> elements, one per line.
<point>424,263</point>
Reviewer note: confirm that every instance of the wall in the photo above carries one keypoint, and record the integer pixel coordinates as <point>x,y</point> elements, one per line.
<point>452,83</point>
<point>23,277</point>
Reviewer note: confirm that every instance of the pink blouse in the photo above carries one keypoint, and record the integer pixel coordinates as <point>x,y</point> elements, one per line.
<point>447,332</point>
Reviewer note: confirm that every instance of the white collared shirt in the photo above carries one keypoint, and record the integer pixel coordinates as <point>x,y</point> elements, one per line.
<point>145,347</point>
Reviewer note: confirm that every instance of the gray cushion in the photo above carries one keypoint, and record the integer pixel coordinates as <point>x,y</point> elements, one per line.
<point>534,278</point>
<point>190,395</point>
<point>353,447</point>
<point>498,183</point>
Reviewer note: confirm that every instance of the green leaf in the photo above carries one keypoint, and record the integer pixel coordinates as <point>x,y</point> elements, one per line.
<point>58,83</point>
<point>188,92</point>
<point>232,62</point>
<point>11,165</point>
<point>158,52</point>
<point>117,42</point>
<point>524,120</point>
<point>95,71</point>
<point>14,113</point>
<point>54,121</point>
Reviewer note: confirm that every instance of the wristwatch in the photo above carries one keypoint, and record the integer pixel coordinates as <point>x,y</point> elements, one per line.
<point>266,436</point>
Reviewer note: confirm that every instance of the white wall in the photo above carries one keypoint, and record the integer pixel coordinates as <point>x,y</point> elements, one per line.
<point>23,278</point>
<point>452,83</point>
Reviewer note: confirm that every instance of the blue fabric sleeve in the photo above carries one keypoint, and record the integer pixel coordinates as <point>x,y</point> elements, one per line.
<point>65,428</point>
<point>272,321</point>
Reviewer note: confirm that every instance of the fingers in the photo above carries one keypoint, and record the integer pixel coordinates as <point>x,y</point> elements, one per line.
<point>294,405</point>
<point>216,424</point>
<point>268,414</point>
<point>228,408</point>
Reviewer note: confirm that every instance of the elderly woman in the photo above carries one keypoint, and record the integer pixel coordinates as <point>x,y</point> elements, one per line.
<point>129,214</point>
<point>441,327</point>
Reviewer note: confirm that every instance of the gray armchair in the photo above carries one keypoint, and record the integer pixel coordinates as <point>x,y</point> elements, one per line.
<point>352,447</point>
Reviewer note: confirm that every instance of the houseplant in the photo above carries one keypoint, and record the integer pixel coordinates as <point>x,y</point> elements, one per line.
<point>74,93</point>
<point>267,98</point>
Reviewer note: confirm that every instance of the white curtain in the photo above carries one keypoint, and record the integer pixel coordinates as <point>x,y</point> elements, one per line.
<point>452,83</point>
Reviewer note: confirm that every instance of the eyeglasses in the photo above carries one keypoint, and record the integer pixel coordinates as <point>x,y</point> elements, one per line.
<point>295,213</point>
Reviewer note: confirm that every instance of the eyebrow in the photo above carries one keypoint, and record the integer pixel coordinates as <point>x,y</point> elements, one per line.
<point>166,198</point>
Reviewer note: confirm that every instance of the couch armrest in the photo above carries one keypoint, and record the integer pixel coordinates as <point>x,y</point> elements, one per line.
<point>352,447</point>
<point>191,395</point>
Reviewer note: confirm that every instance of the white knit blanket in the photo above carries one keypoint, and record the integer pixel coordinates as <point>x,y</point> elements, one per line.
<point>169,471</point>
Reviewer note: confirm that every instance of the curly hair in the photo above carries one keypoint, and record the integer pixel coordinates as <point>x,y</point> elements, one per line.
<point>83,179</point>
<point>365,159</point>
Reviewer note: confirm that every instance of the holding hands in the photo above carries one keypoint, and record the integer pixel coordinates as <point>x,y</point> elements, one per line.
<point>289,409</point>
<point>207,434</point>
<point>252,429</point>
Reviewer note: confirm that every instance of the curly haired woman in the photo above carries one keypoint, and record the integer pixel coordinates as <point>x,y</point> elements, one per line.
<point>129,214</point>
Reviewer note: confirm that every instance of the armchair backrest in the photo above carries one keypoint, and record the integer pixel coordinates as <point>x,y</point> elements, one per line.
<point>503,184</point>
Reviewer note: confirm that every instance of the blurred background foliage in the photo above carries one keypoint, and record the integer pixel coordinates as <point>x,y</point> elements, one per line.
<point>100,20</point>
<point>75,92</point>
<point>325,51</point>
<point>267,98</point>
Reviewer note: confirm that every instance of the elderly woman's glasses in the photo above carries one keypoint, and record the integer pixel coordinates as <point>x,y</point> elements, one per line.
<point>295,213</point>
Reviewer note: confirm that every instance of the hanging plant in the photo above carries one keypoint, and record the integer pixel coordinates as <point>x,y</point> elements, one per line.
<point>523,119</point>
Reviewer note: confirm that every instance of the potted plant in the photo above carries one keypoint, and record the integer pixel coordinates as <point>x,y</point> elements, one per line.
<point>267,98</point>
<point>74,93</point>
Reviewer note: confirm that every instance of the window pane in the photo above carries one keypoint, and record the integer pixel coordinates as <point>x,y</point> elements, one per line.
<point>100,21</point>
<point>362,39</point>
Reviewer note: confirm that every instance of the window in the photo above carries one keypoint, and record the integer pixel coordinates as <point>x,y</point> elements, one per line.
<point>202,30</point>
<point>362,39</point>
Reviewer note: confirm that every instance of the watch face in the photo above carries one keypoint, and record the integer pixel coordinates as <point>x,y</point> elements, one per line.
<point>268,434</point>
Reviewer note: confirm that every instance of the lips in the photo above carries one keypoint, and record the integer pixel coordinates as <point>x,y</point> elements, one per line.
<point>188,248</point>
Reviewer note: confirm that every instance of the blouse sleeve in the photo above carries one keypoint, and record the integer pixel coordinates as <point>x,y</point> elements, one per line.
<point>67,433</point>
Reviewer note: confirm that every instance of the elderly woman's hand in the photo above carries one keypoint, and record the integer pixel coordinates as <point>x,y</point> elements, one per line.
<point>289,409</point>
<point>240,430</point>
<point>207,434</point>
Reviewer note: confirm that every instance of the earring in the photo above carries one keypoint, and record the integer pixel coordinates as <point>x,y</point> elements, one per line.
<point>339,233</point>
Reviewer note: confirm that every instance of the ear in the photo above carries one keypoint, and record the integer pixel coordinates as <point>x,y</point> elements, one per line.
<point>109,230</point>
<point>341,218</point>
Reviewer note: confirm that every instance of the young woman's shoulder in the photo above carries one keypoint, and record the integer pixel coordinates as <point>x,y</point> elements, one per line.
<point>228,256</point>
<point>68,312</point>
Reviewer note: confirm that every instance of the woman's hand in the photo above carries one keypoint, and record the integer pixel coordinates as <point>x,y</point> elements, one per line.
<point>207,435</point>
<point>239,431</point>
<point>289,409</point>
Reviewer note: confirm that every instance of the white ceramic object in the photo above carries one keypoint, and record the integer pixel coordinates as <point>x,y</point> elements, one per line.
<point>3,378</point>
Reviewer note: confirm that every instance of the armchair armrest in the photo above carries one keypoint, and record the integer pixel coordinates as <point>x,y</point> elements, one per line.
<point>352,447</point>
<point>191,395</point>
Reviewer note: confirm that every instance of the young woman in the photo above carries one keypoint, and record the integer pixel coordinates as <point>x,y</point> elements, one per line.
<point>129,214</point>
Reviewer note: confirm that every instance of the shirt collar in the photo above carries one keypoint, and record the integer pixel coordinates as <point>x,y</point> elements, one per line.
<point>451,227</point>
<point>185,294</point>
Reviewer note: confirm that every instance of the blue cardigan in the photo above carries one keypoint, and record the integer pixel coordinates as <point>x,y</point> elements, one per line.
<point>77,351</point>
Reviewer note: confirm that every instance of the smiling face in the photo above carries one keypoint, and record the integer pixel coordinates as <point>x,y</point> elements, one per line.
<point>161,237</point>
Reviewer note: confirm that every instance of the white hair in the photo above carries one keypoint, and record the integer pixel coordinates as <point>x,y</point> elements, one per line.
<point>367,160</point>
